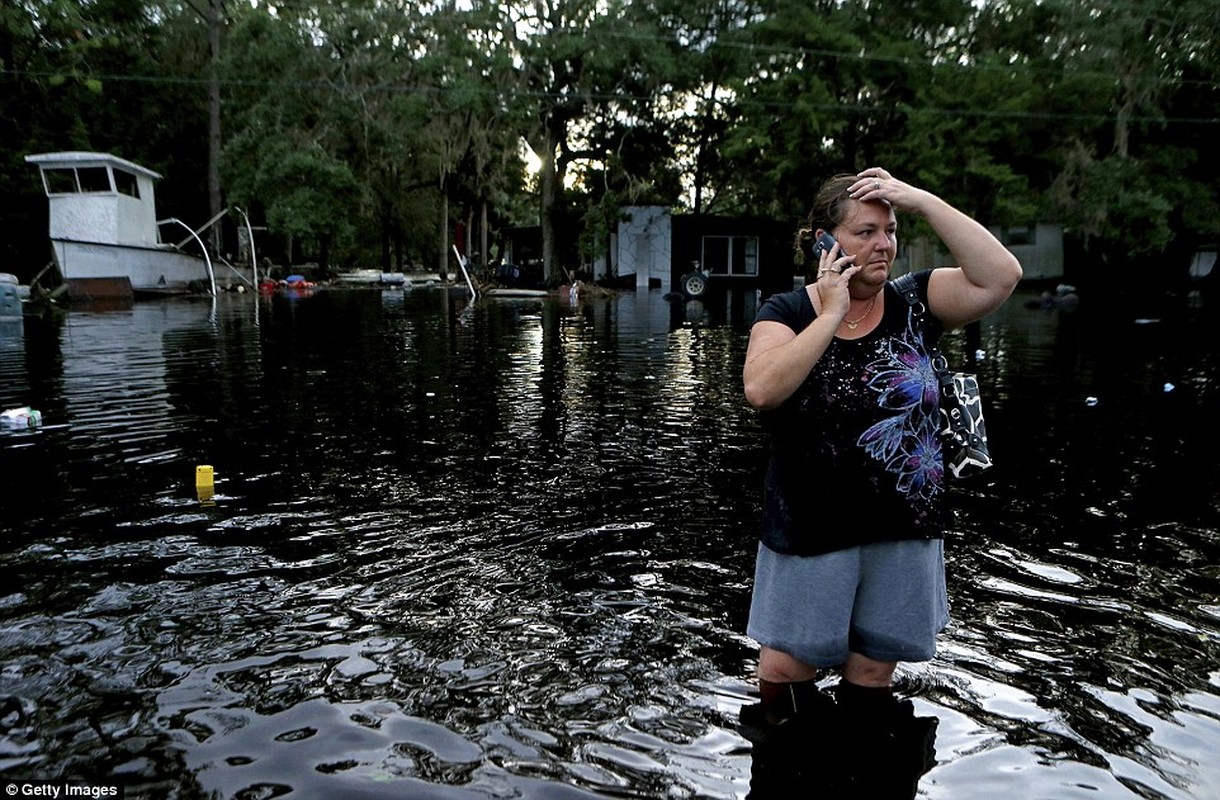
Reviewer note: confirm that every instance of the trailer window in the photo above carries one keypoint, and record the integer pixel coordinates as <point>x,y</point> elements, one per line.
<point>730,255</point>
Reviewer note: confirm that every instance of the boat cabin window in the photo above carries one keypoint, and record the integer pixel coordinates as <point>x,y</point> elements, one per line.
<point>61,181</point>
<point>68,180</point>
<point>94,179</point>
<point>126,183</point>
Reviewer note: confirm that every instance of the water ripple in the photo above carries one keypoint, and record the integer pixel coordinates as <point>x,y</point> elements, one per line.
<point>506,551</point>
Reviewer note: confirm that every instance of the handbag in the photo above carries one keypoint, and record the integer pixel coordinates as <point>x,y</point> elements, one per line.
<point>963,435</point>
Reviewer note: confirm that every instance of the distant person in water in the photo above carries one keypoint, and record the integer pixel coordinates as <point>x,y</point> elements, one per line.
<point>1064,297</point>
<point>850,569</point>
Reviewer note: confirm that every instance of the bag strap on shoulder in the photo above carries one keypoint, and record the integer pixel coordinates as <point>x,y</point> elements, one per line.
<point>909,289</point>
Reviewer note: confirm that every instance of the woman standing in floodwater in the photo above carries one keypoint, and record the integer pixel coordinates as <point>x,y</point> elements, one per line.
<point>850,569</point>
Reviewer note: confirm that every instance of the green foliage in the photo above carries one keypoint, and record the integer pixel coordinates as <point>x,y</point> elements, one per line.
<point>1114,199</point>
<point>365,128</point>
<point>310,192</point>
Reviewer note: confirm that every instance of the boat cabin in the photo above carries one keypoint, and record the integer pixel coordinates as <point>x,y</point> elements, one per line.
<point>98,198</point>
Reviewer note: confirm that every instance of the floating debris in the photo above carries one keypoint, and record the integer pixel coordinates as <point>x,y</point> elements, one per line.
<point>20,419</point>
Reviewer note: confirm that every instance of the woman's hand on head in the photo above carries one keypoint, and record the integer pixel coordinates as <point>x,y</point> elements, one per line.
<point>878,185</point>
<point>987,272</point>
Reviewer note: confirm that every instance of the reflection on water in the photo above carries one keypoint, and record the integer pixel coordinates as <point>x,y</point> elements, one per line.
<point>878,748</point>
<point>505,550</point>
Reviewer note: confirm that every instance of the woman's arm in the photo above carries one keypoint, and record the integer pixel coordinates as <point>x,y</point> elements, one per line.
<point>778,359</point>
<point>987,272</point>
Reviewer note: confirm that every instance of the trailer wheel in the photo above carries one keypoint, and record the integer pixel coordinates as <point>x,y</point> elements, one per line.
<point>694,284</point>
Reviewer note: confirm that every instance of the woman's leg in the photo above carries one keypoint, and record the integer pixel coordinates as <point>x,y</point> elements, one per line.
<point>865,686</point>
<point>775,666</point>
<point>864,671</point>
<point>787,686</point>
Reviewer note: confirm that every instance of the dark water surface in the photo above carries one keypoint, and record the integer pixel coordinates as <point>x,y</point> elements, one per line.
<point>505,551</point>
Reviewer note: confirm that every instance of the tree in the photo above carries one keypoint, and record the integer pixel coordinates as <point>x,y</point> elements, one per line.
<point>798,103</point>
<point>1126,166</point>
<point>579,62</point>
<point>466,137</point>
<point>79,77</point>
<point>366,126</point>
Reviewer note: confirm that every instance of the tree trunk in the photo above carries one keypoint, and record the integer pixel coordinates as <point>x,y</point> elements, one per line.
<point>1122,120</point>
<point>483,236</point>
<point>442,233</point>
<point>386,242</point>
<point>215,199</point>
<point>701,152</point>
<point>548,184</point>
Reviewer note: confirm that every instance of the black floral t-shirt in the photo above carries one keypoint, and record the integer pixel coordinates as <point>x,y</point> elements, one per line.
<point>855,454</point>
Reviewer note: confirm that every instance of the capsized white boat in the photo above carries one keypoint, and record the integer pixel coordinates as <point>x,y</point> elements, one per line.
<point>373,277</point>
<point>507,292</point>
<point>12,297</point>
<point>105,236</point>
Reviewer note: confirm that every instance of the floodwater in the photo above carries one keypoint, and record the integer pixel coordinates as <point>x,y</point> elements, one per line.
<point>504,550</point>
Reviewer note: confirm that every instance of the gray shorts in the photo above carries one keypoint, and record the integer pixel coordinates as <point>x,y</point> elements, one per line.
<point>886,601</point>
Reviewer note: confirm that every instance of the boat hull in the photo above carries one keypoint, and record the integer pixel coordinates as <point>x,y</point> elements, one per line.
<point>89,266</point>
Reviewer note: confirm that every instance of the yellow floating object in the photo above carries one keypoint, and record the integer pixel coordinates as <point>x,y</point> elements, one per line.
<point>204,478</point>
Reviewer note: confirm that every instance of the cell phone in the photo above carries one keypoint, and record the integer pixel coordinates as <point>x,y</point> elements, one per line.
<point>825,244</point>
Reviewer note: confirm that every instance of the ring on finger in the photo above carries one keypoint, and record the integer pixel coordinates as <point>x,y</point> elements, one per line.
<point>876,184</point>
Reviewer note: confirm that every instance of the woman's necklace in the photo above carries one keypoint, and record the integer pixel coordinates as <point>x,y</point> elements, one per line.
<point>852,324</point>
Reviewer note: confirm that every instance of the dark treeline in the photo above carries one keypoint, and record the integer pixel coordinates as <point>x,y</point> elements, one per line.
<point>367,132</point>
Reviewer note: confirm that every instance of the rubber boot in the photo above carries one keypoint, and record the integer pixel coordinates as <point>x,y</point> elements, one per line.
<point>789,729</point>
<point>783,705</point>
<point>886,747</point>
